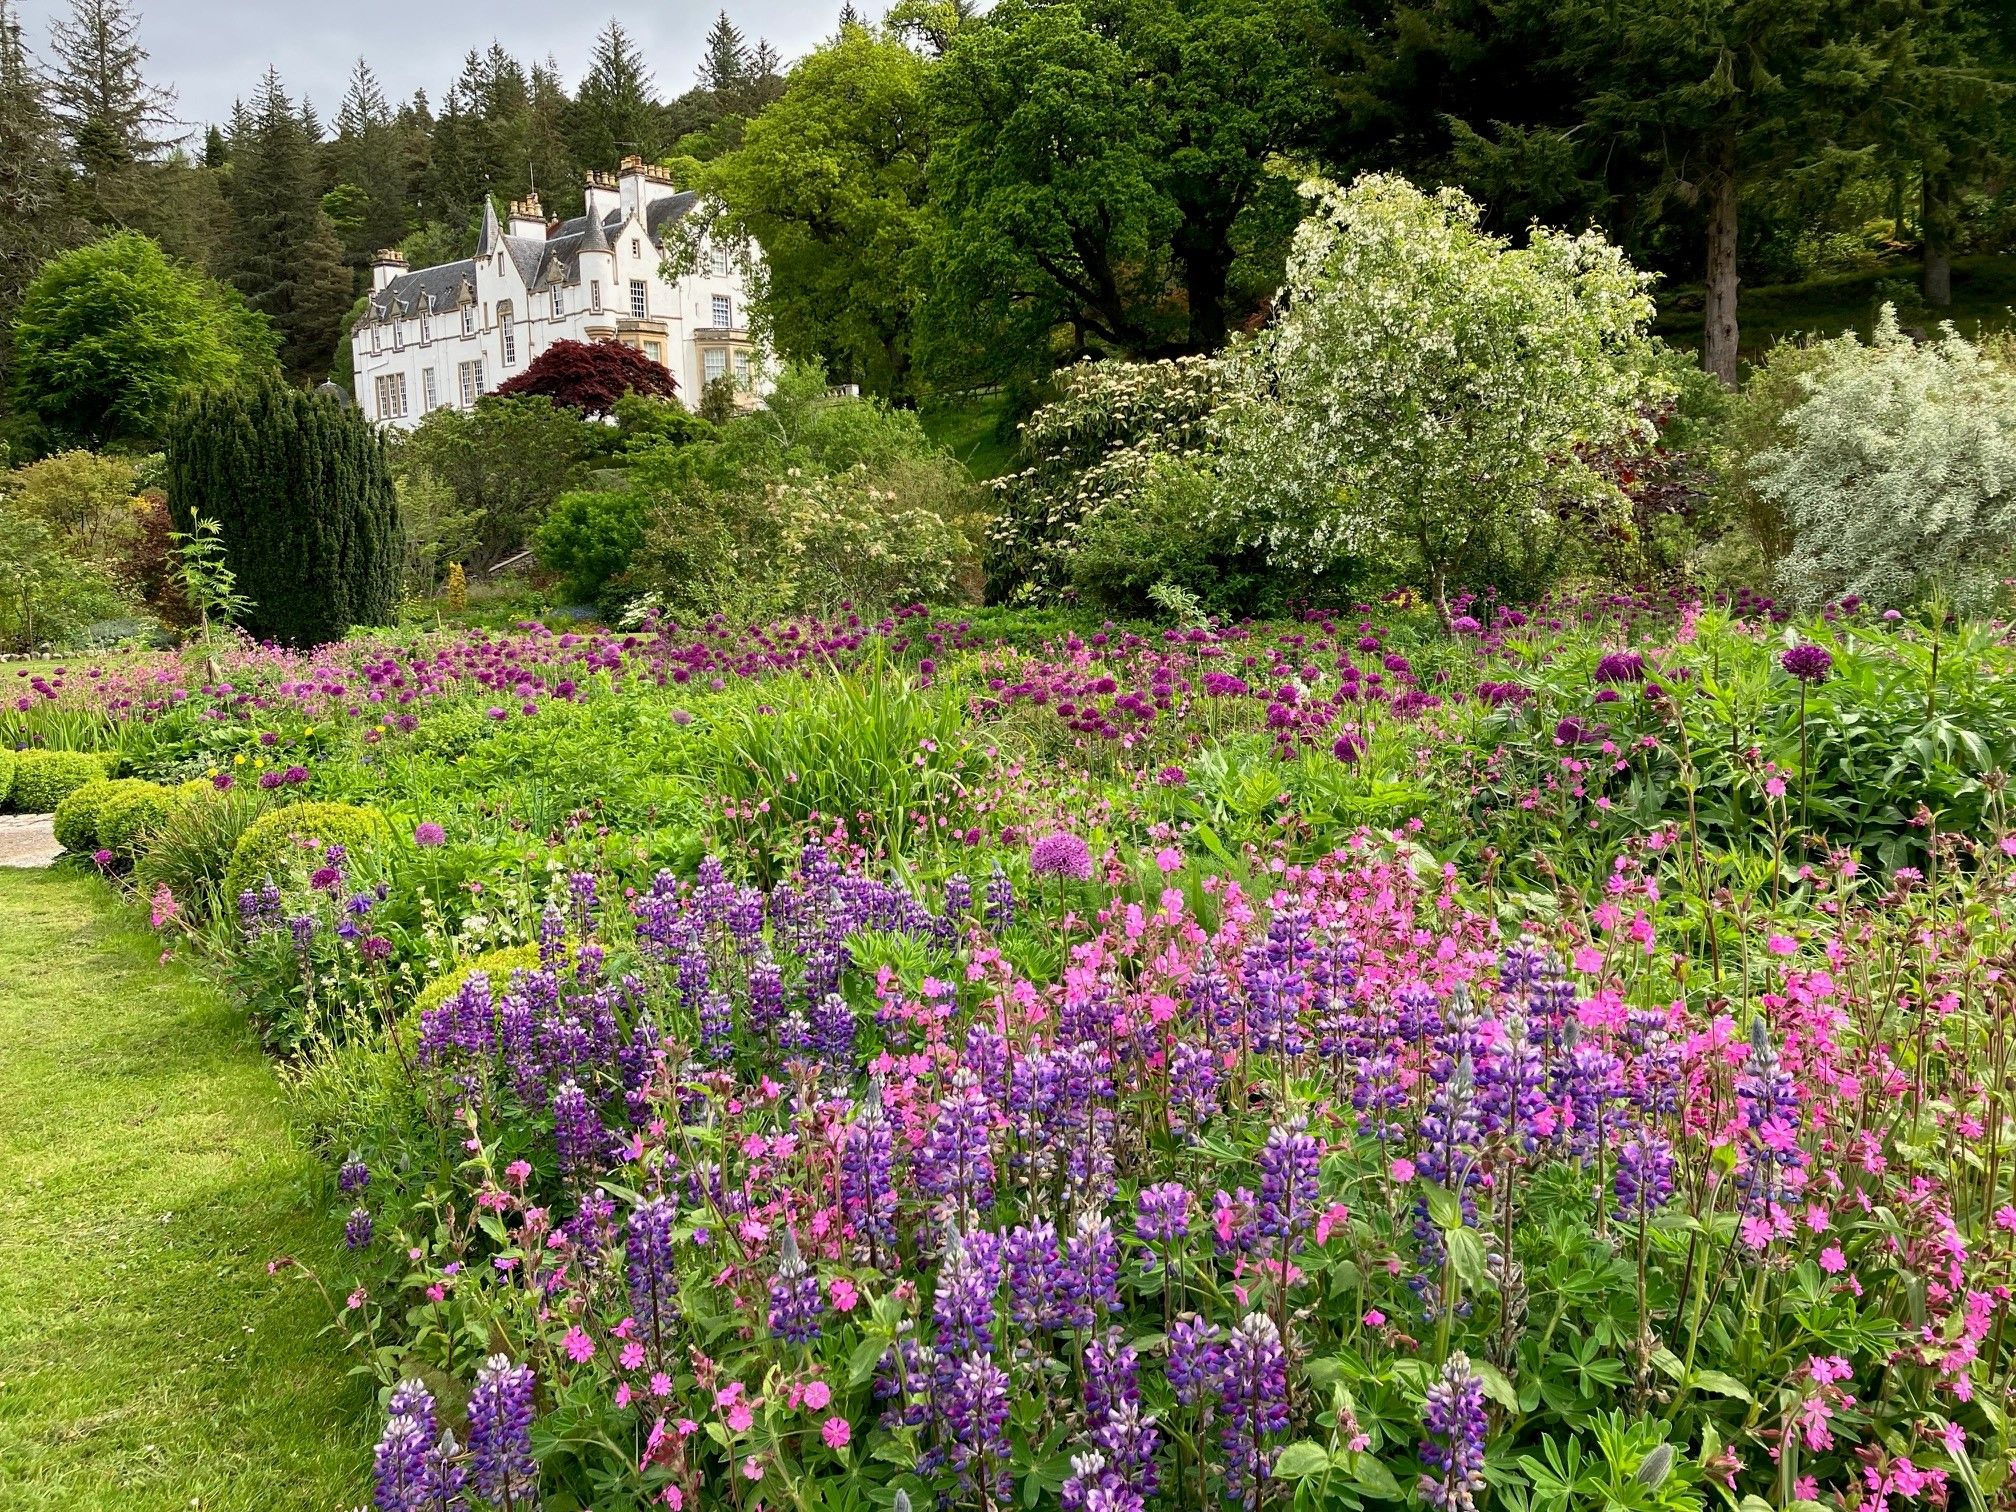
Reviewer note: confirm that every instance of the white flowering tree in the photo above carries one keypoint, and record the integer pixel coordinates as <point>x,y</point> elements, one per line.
<point>1429,393</point>
<point>1897,475</point>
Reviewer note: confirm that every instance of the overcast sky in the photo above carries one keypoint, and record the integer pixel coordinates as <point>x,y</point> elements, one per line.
<point>213,51</point>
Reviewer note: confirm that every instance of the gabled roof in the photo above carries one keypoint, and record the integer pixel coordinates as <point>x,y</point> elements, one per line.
<point>437,288</point>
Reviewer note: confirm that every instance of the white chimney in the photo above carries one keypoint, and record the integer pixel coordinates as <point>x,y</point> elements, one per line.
<point>527,218</point>
<point>602,194</point>
<point>385,267</point>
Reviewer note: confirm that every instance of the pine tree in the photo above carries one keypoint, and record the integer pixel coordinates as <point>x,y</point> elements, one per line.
<point>302,489</point>
<point>615,111</point>
<point>35,222</point>
<point>848,17</point>
<point>366,163</point>
<point>216,150</point>
<point>285,256</point>
<point>112,117</point>
<point>726,65</point>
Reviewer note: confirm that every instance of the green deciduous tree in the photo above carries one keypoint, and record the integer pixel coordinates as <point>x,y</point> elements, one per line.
<point>286,259</point>
<point>111,335</point>
<point>301,489</point>
<point>831,182</point>
<point>504,462</point>
<point>1428,395</point>
<point>1101,175</point>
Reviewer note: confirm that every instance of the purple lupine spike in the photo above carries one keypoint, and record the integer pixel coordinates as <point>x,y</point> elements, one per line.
<point>1512,1085</point>
<point>1091,1272</point>
<point>1196,1359</point>
<point>399,1481</point>
<point>955,1163</point>
<point>1452,1446</point>
<point>831,1027</point>
<point>717,1026</point>
<point>1000,902</point>
<point>578,1135</point>
<point>766,994</point>
<point>971,1401</point>
<point>500,1433</point>
<point>1767,1100</point>
<point>867,1171</point>
<point>357,1229</point>
<point>968,1280</point>
<point>353,1175</point>
<point>1163,1212</point>
<point>1035,1264</point>
<point>552,939</point>
<point>1253,1390</point>
<point>1290,1180</point>
<point>794,1295</point>
<point>1193,1087</point>
<point>413,1400</point>
<point>654,1283</point>
<point>1644,1180</point>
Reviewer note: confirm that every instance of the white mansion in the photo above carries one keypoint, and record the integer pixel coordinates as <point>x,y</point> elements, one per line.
<point>443,336</point>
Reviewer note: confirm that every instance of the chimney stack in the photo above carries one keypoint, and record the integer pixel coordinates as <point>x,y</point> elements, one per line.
<point>527,218</point>
<point>385,267</point>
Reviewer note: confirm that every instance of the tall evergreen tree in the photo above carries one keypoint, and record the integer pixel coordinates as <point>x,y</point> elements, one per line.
<point>112,117</point>
<point>366,165</point>
<point>35,221</point>
<point>615,111</point>
<point>725,61</point>
<point>286,259</point>
<point>303,490</point>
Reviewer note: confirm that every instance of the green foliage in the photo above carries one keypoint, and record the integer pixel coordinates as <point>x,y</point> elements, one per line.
<point>285,844</point>
<point>1091,449</point>
<point>1431,395</point>
<point>43,779</point>
<point>591,538</point>
<point>1101,177</point>
<point>503,464</point>
<point>1896,474</point>
<point>8,762</point>
<point>79,818</point>
<point>190,850</point>
<point>830,182</point>
<point>303,494</point>
<point>111,337</point>
<point>50,593</point>
<point>497,965</point>
<point>128,820</point>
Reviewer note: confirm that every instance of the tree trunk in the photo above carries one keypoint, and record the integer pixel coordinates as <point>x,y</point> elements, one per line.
<point>1718,342</point>
<point>1936,280</point>
<point>1206,271</point>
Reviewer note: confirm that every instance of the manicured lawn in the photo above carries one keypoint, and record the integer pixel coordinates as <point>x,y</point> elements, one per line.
<point>147,1359</point>
<point>970,428</point>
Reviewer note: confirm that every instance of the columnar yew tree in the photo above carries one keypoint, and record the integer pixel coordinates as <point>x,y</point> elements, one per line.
<point>302,491</point>
<point>1427,395</point>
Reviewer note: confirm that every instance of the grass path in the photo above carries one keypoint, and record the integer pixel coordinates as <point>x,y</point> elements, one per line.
<point>147,1360</point>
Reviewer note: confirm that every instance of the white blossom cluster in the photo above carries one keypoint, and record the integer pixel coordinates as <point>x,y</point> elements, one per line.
<point>1428,388</point>
<point>1898,474</point>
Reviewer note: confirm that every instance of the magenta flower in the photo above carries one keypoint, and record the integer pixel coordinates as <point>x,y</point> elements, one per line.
<point>1808,662</point>
<point>428,833</point>
<point>1061,855</point>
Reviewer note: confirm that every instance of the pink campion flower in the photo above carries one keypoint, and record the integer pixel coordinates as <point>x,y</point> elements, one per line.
<point>163,907</point>
<point>1781,945</point>
<point>752,1469</point>
<point>632,1356</point>
<point>674,1498</point>
<point>1374,1318</point>
<point>840,1292</point>
<point>1168,859</point>
<point>2005,1218</point>
<point>1588,959</point>
<point>1774,787</point>
<point>580,1348</point>
<point>1832,1260</point>
<point>623,1394</point>
<point>817,1395</point>
<point>1955,1439</point>
<point>661,1384</point>
<point>1402,1168</point>
<point>836,1431</point>
<point>739,1417</point>
<point>1817,1218</point>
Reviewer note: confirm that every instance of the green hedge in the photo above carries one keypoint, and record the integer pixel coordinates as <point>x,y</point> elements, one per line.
<point>274,846</point>
<point>127,820</point>
<point>8,761</point>
<point>496,964</point>
<point>80,817</point>
<point>43,779</point>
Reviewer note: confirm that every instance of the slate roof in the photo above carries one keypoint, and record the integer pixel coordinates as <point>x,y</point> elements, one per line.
<point>541,263</point>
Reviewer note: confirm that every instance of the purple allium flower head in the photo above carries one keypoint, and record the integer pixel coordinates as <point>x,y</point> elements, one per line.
<point>1347,748</point>
<point>1061,855</point>
<point>1453,1446</point>
<point>500,1433</point>
<point>1621,667</point>
<point>1808,662</point>
<point>427,833</point>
